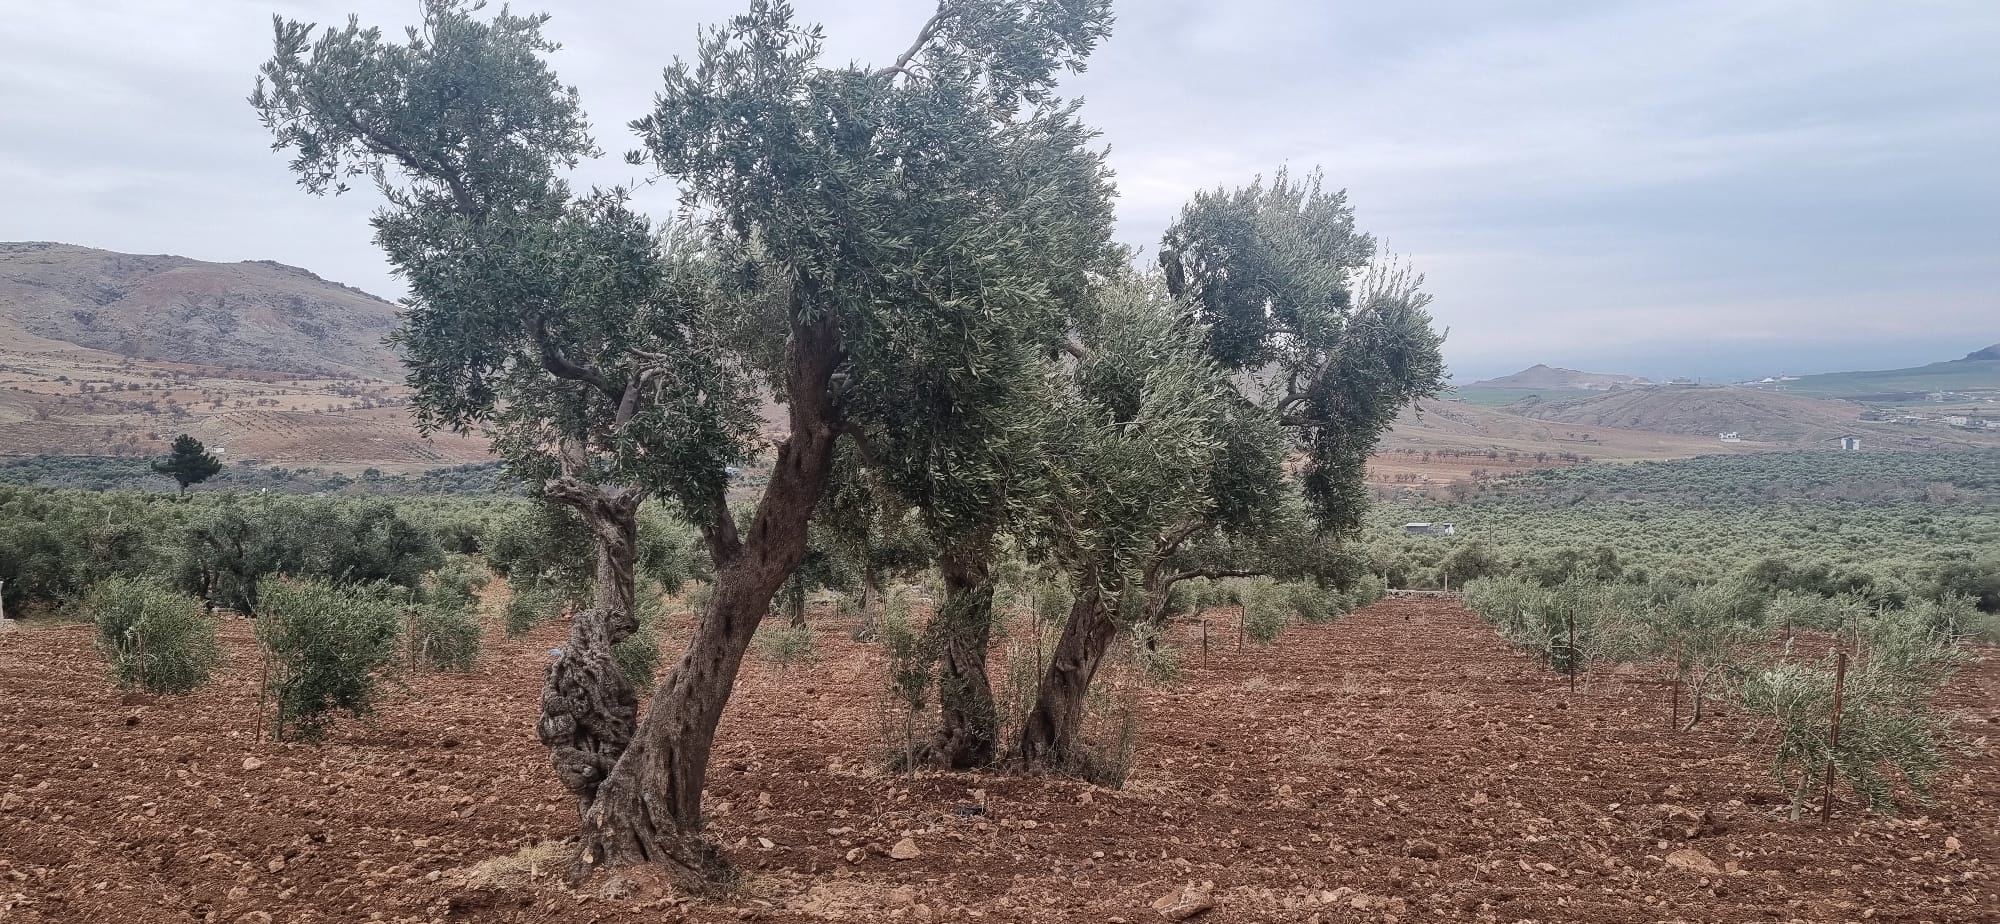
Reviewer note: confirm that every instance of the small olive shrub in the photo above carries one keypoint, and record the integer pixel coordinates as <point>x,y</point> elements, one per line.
<point>1568,626</point>
<point>909,652</point>
<point>152,636</point>
<point>1888,729</point>
<point>327,647</point>
<point>1792,610</point>
<point>444,625</point>
<point>458,582</point>
<point>1108,740</point>
<point>531,605</point>
<point>784,644</point>
<point>1315,604</point>
<point>1267,606</point>
<point>1154,652</point>
<point>1052,603</point>
<point>1706,634</point>
<point>1949,618</point>
<point>911,657</point>
<point>446,636</point>
<point>1367,589</point>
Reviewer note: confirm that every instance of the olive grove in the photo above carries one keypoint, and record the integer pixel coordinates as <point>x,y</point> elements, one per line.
<point>914,262</point>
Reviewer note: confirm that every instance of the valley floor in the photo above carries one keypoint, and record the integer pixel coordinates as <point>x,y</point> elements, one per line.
<point>1399,764</point>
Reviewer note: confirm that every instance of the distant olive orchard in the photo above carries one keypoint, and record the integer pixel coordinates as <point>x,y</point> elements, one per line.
<point>55,545</point>
<point>107,473</point>
<point>1891,528</point>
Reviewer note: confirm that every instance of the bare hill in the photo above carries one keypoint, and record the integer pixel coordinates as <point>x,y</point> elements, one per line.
<point>1556,378</point>
<point>1992,352</point>
<point>61,399</point>
<point>1756,415</point>
<point>109,354</point>
<point>252,315</point>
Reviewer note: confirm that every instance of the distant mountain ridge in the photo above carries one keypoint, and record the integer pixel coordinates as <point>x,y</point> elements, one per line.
<point>1977,374</point>
<point>1553,377</point>
<point>1762,416</point>
<point>257,315</point>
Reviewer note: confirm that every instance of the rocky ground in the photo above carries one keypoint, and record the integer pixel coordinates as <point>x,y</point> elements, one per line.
<point>1398,765</point>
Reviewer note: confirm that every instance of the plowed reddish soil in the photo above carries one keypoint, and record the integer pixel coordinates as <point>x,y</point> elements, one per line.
<point>1400,764</point>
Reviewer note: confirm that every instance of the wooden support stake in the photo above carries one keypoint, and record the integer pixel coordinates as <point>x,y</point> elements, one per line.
<point>1204,644</point>
<point>1572,653</point>
<point>263,686</point>
<point>1839,686</point>
<point>1678,653</point>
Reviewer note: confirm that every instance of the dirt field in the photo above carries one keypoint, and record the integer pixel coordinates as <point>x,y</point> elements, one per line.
<point>1399,765</point>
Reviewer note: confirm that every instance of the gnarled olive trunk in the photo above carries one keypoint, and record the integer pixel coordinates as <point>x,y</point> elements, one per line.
<point>968,724</point>
<point>588,706</point>
<point>871,600</point>
<point>795,602</point>
<point>649,809</point>
<point>1049,735</point>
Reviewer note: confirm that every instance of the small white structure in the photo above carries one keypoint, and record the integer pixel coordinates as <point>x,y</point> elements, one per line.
<point>1848,443</point>
<point>1430,529</point>
<point>1730,437</point>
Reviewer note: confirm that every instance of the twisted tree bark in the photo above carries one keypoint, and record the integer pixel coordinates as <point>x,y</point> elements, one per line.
<point>648,810</point>
<point>968,723</point>
<point>1049,736</point>
<point>588,706</point>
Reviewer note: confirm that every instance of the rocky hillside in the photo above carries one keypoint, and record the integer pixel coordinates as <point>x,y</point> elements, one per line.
<point>1554,378</point>
<point>252,315</point>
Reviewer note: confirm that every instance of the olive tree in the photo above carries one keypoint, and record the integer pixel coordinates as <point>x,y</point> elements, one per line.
<point>1127,440</point>
<point>1334,337</point>
<point>841,230</point>
<point>1312,343</point>
<point>1327,343</point>
<point>971,478</point>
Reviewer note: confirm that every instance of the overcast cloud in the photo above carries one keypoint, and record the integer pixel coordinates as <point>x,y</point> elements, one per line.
<point>1713,188</point>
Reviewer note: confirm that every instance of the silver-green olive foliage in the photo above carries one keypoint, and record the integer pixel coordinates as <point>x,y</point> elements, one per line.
<point>1290,291</point>
<point>1133,433</point>
<point>946,212</point>
<point>573,326</point>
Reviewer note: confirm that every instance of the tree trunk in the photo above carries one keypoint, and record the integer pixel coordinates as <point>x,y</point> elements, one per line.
<point>649,809</point>
<point>795,601</point>
<point>1049,735</point>
<point>871,598</point>
<point>968,723</point>
<point>588,706</point>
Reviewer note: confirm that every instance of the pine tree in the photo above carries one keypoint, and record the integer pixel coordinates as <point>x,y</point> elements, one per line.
<point>188,463</point>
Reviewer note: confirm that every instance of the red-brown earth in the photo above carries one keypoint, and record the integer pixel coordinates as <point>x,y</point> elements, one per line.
<point>1399,764</point>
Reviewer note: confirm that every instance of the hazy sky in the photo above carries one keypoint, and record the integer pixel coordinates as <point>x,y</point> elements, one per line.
<point>1712,188</point>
